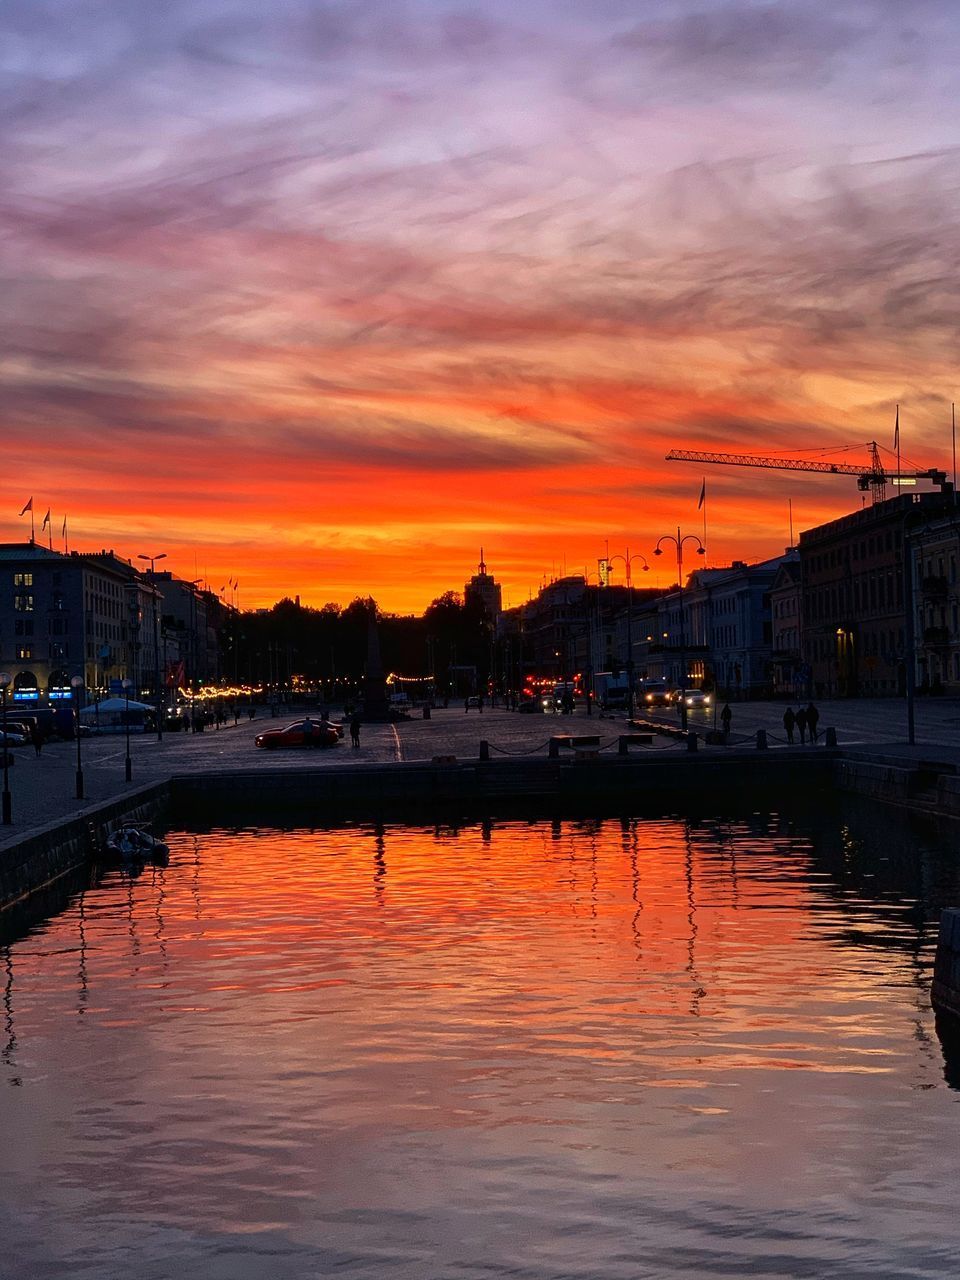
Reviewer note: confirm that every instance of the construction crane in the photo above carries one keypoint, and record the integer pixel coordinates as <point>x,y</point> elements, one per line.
<point>873,479</point>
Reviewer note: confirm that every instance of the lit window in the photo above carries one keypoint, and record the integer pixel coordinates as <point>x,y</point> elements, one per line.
<point>23,603</point>
<point>23,579</point>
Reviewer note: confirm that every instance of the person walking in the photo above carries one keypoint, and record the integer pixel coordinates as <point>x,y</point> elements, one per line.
<point>801,722</point>
<point>789,721</point>
<point>726,715</point>
<point>466,705</point>
<point>355,729</point>
<point>813,719</point>
<point>36,737</point>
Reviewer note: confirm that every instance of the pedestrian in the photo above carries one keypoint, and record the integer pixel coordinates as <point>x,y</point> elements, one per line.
<point>813,719</point>
<point>36,737</point>
<point>466,705</point>
<point>726,715</point>
<point>801,722</point>
<point>789,720</point>
<point>355,729</point>
<point>480,703</point>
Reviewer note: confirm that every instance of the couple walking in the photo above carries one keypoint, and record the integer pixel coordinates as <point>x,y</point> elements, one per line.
<point>806,718</point>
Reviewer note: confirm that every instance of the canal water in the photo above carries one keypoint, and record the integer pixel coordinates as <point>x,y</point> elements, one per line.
<point>656,1047</point>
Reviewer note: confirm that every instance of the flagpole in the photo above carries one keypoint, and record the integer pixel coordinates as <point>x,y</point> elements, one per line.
<point>897,432</point>
<point>953,415</point>
<point>33,526</point>
<point>50,534</point>
<point>66,548</point>
<point>790,509</point>
<point>705,517</point>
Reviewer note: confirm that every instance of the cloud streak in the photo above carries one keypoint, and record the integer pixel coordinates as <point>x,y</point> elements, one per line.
<point>407,271</point>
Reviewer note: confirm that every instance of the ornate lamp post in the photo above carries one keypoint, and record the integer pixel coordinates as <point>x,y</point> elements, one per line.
<point>128,763</point>
<point>158,688</point>
<point>628,559</point>
<point>76,684</point>
<point>678,542</point>
<point>5,679</point>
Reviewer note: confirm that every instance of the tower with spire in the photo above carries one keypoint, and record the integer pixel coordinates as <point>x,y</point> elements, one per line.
<point>484,586</point>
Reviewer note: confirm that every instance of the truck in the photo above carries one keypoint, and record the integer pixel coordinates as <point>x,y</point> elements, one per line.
<point>611,690</point>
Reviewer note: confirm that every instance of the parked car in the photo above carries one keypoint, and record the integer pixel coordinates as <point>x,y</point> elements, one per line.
<point>10,739</point>
<point>302,733</point>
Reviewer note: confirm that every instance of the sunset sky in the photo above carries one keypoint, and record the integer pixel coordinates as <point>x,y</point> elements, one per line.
<point>324,296</point>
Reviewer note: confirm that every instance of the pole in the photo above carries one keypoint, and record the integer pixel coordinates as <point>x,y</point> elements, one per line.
<point>7,806</point>
<point>909,636</point>
<point>790,510</point>
<point>128,763</point>
<point>683,638</point>
<point>76,716</point>
<point>953,416</point>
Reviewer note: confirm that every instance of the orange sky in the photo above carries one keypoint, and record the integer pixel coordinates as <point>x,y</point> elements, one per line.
<point>328,338</point>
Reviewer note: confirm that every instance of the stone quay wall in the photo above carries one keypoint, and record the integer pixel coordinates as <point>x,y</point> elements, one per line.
<point>59,849</point>
<point>946,972</point>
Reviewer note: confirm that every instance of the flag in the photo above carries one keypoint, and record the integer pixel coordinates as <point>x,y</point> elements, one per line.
<point>64,530</point>
<point>46,520</point>
<point>896,431</point>
<point>703,493</point>
<point>28,507</point>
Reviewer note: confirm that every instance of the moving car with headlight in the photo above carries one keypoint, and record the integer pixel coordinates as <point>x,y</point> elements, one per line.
<point>302,733</point>
<point>696,698</point>
<point>656,693</point>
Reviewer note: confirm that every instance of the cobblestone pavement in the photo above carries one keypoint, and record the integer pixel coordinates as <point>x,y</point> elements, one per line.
<point>43,790</point>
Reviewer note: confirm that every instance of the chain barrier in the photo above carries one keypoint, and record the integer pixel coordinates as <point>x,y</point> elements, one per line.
<point>531,752</point>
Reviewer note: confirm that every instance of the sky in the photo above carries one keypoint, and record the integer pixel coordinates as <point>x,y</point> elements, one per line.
<point>324,297</point>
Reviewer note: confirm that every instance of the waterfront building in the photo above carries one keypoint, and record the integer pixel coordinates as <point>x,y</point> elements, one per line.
<point>854,636</point>
<point>935,556</point>
<point>790,676</point>
<point>721,625</point>
<point>188,618</point>
<point>61,616</point>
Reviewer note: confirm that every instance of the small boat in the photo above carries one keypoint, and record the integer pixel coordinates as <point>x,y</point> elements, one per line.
<point>132,844</point>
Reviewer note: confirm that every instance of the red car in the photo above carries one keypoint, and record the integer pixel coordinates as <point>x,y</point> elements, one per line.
<point>302,733</point>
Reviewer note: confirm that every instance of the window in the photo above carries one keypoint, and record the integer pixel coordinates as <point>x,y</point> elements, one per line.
<point>23,603</point>
<point>23,579</point>
<point>24,651</point>
<point>23,627</point>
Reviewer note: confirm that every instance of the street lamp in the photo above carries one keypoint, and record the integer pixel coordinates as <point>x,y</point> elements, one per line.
<point>158,691</point>
<point>76,684</point>
<point>628,560</point>
<point>128,763</point>
<point>5,679</point>
<point>678,542</point>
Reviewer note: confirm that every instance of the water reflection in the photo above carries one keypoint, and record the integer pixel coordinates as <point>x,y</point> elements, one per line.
<point>592,1048</point>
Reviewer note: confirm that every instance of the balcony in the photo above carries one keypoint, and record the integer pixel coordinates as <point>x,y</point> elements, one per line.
<point>934,586</point>
<point>936,636</point>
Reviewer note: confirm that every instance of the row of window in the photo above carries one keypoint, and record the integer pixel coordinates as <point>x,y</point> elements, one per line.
<point>58,652</point>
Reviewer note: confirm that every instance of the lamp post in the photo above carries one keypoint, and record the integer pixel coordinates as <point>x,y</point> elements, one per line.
<point>128,763</point>
<point>628,559</point>
<point>76,684</point>
<point>158,690</point>
<point>678,542</point>
<point>5,679</point>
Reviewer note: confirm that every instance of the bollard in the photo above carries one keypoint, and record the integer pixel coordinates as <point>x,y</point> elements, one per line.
<point>426,713</point>
<point>554,749</point>
<point>623,748</point>
<point>830,738</point>
<point>484,750</point>
<point>761,739</point>
<point>691,741</point>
